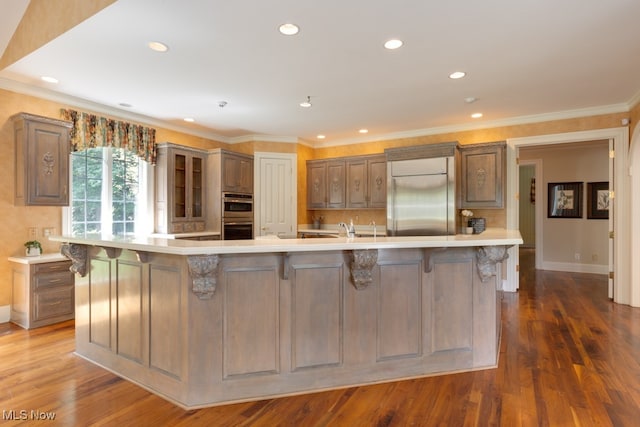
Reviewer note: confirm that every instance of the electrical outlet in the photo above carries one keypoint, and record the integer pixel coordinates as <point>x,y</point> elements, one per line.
<point>577,256</point>
<point>32,232</point>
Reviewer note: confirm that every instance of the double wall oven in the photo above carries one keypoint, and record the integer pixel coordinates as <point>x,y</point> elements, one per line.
<point>237,216</point>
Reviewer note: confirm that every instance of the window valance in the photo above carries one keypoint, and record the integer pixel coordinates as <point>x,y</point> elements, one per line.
<point>91,131</point>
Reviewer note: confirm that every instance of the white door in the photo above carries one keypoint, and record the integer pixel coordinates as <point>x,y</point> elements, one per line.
<point>275,194</point>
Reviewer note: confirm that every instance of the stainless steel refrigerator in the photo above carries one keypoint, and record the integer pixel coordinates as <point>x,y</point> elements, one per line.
<point>421,194</point>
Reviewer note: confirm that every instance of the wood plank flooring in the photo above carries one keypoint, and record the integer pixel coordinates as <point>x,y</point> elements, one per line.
<point>569,357</point>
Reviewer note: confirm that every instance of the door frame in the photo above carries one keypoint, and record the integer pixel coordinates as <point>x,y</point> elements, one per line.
<point>624,289</point>
<point>537,165</point>
<point>634,159</point>
<point>293,186</point>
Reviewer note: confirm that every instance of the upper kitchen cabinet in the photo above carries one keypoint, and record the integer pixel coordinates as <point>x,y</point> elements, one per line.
<point>482,179</point>
<point>366,181</point>
<point>180,189</point>
<point>237,172</point>
<point>42,160</point>
<point>326,184</point>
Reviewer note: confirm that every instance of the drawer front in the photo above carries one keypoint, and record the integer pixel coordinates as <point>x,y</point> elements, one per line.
<point>53,303</point>
<point>51,267</point>
<point>49,280</point>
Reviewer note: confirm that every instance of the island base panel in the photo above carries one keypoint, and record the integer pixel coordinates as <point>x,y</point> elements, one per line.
<point>280,324</point>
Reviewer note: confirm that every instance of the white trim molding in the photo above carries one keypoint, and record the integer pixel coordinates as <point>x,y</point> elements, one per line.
<point>634,171</point>
<point>5,313</point>
<point>624,292</point>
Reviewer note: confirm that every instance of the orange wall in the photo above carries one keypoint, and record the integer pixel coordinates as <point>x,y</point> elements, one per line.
<point>494,217</point>
<point>15,220</point>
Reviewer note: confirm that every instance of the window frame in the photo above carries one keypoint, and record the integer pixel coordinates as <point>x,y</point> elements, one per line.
<point>144,218</point>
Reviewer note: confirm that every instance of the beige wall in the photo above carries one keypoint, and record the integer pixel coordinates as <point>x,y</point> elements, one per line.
<point>16,220</point>
<point>565,237</point>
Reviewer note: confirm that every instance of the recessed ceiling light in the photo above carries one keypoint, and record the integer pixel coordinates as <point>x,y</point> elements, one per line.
<point>49,79</point>
<point>363,130</point>
<point>470,99</point>
<point>476,115</point>
<point>457,75</point>
<point>321,137</point>
<point>158,46</point>
<point>289,29</point>
<point>393,44</point>
<point>307,103</point>
<point>189,119</point>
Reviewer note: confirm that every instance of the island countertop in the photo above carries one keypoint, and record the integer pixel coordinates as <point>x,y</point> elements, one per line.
<point>490,237</point>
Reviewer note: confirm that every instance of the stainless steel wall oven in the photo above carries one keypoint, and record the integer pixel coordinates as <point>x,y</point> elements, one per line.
<point>237,216</point>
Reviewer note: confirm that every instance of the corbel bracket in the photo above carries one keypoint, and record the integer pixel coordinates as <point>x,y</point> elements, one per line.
<point>487,257</point>
<point>204,272</point>
<point>78,256</point>
<point>362,263</point>
<point>428,260</point>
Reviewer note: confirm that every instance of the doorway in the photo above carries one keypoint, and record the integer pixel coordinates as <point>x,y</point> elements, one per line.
<point>618,138</point>
<point>527,204</point>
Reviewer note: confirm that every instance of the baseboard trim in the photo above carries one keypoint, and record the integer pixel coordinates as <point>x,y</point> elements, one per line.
<point>575,267</point>
<point>5,313</point>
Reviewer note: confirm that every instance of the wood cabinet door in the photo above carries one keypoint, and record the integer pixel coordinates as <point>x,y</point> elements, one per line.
<point>377,180</point>
<point>482,176</point>
<point>196,187</point>
<point>245,176</point>
<point>230,166</point>
<point>357,183</point>
<point>237,174</point>
<point>316,184</point>
<point>179,186</point>
<point>336,184</point>
<point>42,161</point>
<point>187,185</point>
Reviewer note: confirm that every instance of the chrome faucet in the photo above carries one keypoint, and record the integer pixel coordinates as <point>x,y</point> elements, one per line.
<point>349,229</point>
<point>374,228</point>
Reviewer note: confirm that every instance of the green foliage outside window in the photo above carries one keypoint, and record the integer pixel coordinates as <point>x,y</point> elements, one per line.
<point>93,186</point>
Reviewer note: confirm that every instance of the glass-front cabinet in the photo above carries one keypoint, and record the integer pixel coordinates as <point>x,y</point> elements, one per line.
<point>180,189</point>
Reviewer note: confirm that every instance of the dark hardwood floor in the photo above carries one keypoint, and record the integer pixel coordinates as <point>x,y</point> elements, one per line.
<point>569,357</point>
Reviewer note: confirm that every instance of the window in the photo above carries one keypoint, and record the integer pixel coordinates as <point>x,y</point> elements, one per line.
<point>108,193</point>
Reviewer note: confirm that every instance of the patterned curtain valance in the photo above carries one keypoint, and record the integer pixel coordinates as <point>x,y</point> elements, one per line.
<point>91,131</point>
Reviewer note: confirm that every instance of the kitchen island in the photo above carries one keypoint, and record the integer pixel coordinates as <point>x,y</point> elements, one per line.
<point>204,323</point>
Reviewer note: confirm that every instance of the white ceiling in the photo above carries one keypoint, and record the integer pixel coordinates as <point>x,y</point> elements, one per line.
<point>525,60</point>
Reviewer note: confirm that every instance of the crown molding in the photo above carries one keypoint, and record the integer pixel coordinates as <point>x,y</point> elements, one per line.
<point>263,138</point>
<point>72,101</point>
<point>50,95</point>
<point>514,121</point>
<point>635,100</point>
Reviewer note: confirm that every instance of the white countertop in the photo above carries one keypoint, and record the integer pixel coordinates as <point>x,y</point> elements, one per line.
<point>186,235</point>
<point>40,259</point>
<point>490,237</point>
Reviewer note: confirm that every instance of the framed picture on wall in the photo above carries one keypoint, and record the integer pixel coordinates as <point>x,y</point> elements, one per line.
<point>598,200</point>
<point>564,200</point>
